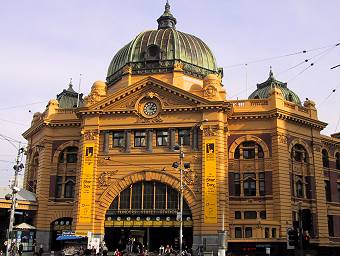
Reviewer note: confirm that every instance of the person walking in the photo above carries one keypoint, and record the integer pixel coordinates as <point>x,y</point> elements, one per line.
<point>21,248</point>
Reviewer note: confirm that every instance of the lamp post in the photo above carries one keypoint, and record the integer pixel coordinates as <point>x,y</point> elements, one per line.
<point>181,167</point>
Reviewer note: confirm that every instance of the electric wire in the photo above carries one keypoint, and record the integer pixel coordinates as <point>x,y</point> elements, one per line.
<point>281,56</point>
<point>23,105</point>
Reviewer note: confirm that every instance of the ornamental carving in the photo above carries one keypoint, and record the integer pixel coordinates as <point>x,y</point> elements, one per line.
<point>189,176</point>
<point>91,134</point>
<point>156,119</point>
<point>210,131</point>
<point>105,178</point>
<point>209,91</point>
<point>197,183</point>
<point>317,148</point>
<point>178,66</point>
<point>127,70</point>
<point>283,139</point>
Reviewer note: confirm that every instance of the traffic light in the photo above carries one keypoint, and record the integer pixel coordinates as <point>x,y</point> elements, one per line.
<point>292,238</point>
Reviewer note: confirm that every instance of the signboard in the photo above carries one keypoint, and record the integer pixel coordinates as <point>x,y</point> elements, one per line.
<point>86,184</point>
<point>210,185</point>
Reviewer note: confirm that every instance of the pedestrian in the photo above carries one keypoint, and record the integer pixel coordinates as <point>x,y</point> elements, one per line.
<point>105,250</point>
<point>41,250</point>
<point>21,248</point>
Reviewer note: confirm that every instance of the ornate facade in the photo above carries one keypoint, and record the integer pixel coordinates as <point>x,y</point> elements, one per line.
<point>104,164</point>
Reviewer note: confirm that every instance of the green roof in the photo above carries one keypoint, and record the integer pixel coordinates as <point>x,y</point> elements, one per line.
<point>264,88</point>
<point>157,51</point>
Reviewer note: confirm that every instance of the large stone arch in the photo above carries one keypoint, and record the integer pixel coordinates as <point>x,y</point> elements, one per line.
<point>119,185</point>
<point>304,144</point>
<point>244,138</point>
<point>60,214</point>
<point>57,152</point>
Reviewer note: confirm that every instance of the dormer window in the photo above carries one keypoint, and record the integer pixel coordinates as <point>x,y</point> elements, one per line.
<point>153,52</point>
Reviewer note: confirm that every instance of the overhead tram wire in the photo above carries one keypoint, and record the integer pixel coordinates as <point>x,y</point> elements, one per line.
<point>281,56</point>
<point>23,105</point>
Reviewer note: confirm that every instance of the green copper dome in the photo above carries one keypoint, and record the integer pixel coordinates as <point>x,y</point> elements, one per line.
<point>263,90</point>
<point>158,51</point>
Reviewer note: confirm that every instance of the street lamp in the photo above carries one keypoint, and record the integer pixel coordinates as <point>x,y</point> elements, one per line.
<point>181,167</point>
<point>15,189</point>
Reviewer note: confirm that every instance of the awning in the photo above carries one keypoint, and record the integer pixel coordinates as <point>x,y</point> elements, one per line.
<point>24,226</point>
<point>69,237</point>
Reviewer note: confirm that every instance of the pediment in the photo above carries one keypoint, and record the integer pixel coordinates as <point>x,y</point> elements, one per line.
<point>169,96</point>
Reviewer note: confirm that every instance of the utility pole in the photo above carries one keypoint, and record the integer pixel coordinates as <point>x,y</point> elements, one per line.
<point>15,189</point>
<point>181,156</point>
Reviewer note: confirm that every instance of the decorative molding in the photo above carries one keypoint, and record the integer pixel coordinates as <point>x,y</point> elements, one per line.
<point>91,134</point>
<point>283,139</point>
<point>142,119</point>
<point>210,131</point>
<point>105,178</point>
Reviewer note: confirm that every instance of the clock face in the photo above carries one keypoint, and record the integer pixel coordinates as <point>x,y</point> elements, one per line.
<point>150,108</point>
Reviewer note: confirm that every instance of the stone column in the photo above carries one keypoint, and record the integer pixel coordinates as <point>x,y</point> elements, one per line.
<point>43,187</point>
<point>149,140</point>
<point>127,141</point>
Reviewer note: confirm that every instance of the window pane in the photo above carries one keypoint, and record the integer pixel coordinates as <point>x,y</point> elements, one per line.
<point>273,232</point>
<point>140,139</point>
<point>160,196</point>
<point>69,189</point>
<point>118,139</point>
<point>125,199</point>
<point>114,204</point>
<point>238,215</point>
<point>136,200</point>
<point>248,232</point>
<point>238,232</point>
<point>184,137</point>
<point>266,232</point>
<point>250,214</point>
<point>148,195</point>
<point>162,138</point>
<point>172,198</point>
<point>263,215</point>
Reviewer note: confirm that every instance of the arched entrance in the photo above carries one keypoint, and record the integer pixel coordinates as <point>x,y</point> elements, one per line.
<point>145,214</point>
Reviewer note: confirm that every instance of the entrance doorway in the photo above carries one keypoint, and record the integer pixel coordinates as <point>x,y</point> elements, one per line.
<point>147,214</point>
<point>150,238</point>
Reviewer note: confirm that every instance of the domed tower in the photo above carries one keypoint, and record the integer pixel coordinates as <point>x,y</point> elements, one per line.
<point>162,51</point>
<point>263,90</point>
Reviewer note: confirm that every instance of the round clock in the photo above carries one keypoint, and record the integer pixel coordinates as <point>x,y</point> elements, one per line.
<point>150,108</point>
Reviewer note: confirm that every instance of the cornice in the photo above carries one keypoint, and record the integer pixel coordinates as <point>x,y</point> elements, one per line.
<point>280,114</point>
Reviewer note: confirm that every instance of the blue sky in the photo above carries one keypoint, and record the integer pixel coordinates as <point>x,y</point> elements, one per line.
<point>44,43</point>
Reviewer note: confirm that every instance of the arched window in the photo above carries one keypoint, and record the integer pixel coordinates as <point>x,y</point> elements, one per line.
<point>248,150</point>
<point>299,153</point>
<point>325,158</point>
<point>299,188</point>
<point>337,160</point>
<point>69,155</point>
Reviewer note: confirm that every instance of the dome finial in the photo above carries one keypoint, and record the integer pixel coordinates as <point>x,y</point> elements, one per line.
<point>70,84</point>
<point>167,20</point>
<point>271,72</point>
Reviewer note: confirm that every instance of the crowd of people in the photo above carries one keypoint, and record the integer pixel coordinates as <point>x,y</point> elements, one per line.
<point>17,248</point>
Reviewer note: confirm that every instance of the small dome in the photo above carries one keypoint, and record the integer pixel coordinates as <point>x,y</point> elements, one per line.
<point>263,90</point>
<point>156,51</point>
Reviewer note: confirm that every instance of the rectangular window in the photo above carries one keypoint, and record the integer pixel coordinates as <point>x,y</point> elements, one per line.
<point>184,137</point>
<point>266,233</point>
<point>162,138</point>
<point>237,184</point>
<point>59,187</point>
<point>328,190</point>
<point>249,184</point>
<point>69,186</point>
<point>250,215</point>
<point>71,157</point>
<point>330,225</point>
<point>238,232</point>
<point>248,232</point>
<point>262,188</point>
<point>273,232</point>
<point>238,215</point>
<point>140,138</point>
<point>263,215</point>
<point>118,139</point>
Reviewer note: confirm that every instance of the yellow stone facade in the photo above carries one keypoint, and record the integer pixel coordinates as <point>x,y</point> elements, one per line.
<point>200,105</point>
